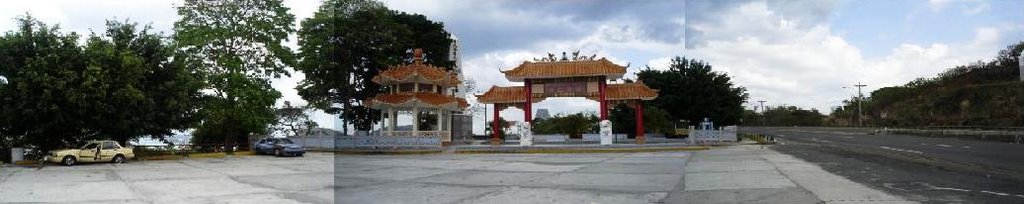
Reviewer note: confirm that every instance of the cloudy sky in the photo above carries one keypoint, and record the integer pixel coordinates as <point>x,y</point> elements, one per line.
<point>785,52</point>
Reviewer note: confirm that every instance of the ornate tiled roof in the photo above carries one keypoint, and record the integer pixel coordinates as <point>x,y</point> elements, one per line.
<point>408,100</point>
<point>629,91</point>
<point>515,94</point>
<point>561,69</point>
<point>497,94</point>
<point>416,72</point>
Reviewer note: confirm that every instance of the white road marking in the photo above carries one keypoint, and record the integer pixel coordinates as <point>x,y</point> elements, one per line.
<point>997,193</point>
<point>943,145</point>
<point>902,150</point>
<point>965,190</point>
<point>952,189</point>
<point>819,140</point>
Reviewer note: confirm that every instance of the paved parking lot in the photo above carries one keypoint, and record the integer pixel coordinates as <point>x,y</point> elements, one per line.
<point>731,174</point>
<point>246,179</point>
<point>510,178</point>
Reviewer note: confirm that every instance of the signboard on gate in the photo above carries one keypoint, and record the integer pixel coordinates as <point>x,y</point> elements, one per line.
<point>571,87</point>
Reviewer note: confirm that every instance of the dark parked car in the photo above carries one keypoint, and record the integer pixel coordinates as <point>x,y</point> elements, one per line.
<point>278,147</point>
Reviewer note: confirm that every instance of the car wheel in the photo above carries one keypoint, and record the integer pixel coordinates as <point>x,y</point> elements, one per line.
<point>69,161</point>
<point>119,159</point>
<point>277,152</point>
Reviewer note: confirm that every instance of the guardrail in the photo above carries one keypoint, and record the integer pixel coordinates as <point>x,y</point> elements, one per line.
<point>988,135</point>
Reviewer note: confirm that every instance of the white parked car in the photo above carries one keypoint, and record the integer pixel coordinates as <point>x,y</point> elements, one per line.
<point>94,151</point>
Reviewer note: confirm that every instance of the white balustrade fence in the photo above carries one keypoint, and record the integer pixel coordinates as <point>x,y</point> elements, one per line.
<point>726,134</point>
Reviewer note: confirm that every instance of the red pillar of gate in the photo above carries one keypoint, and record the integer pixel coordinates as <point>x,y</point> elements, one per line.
<point>601,87</point>
<point>640,139</point>
<point>528,106</point>
<point>494,126</point>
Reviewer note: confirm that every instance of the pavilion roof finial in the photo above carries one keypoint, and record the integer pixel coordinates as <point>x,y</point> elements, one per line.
<point>417,55</point>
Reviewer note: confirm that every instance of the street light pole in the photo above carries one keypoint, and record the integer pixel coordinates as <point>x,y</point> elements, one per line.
<point>860,104</point>
<point>762,112</point>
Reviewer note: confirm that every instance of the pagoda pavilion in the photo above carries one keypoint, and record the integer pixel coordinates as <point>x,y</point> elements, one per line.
<point>415,88</point>
<point>576,77</point>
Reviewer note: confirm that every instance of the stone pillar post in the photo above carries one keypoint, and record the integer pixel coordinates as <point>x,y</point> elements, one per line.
<point>392,120</point>
<point>606,125</point>
<point>415,121</point>
<point>526,135</point>
<point>382,122</point>
<point>640,139</point>
<point>495,140</point>
<point>602,86</point>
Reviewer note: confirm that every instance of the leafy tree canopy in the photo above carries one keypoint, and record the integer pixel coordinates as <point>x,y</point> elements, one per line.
<point>347,42</point>
<point>120,85</point>
<point>691,91</point>
<point>237,46</point>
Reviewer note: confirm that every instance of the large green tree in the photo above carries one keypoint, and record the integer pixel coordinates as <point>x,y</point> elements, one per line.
<point>783,116</point>
<point>292,121</point>
<point>573,125</point>
<point>623,118</point>
<point>121,85</point>
<point>135,86</point>
<point>347,42</point>
<point>43,67</point>
<point>691,90</point>
<point>238,47</point>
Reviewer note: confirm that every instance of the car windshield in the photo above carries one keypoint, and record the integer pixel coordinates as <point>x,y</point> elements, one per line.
<point>284,141</point>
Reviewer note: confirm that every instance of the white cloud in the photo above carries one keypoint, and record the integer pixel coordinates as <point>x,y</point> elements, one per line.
<point>938,5</point>
<point>808,67</point>
<point>782,51</point>
<point>969,7</point>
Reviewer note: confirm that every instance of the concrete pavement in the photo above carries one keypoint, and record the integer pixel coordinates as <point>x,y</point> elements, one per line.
<point>250,179</point>
<point>913,167</point>
<point>755,174</point>
<point>730,174</point>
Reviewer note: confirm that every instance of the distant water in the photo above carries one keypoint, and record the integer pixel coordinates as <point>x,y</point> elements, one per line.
<point>177,139</point>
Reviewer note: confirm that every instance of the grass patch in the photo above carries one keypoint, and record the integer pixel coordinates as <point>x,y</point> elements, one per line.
<point>160,157</point>
<point>207,155</point>
<point>26,162</point>
<point>760,139</point>
<point>166,155</point>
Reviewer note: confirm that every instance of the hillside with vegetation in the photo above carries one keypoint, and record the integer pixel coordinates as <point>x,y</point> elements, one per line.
<point>980,94</point>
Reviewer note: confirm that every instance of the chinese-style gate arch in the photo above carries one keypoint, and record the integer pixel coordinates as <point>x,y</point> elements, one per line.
<point>581,77</point>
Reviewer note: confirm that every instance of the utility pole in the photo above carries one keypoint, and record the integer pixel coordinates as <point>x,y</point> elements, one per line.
<point>860,104</point>
<point>762,112</point>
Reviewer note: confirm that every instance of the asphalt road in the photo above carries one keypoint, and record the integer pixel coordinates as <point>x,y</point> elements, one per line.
<point>930,170</point>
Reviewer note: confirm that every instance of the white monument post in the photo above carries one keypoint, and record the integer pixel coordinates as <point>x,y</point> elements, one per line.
<point>1020,66</point>
<point>526,135</point>
<point>606,132</point>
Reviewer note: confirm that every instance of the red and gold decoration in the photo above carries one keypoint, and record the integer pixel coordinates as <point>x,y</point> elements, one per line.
<point>576,77</point>
<point>414,88</point>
